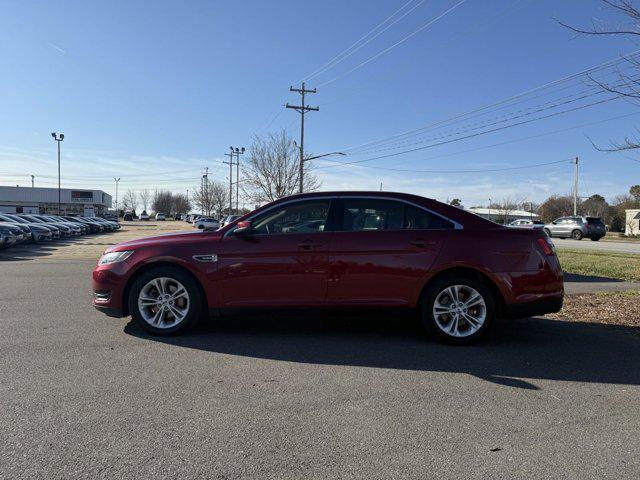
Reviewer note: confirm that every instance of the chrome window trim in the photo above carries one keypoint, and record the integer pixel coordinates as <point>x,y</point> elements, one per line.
<point>456,225</point>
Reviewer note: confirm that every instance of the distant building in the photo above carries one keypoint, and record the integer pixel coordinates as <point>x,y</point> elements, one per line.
<point>73,201</point>
<point>632,222</point>
<point>501,216</point>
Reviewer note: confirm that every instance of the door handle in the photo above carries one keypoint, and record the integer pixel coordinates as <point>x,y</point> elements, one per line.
<point>308,245</point>
<point>421,243</point>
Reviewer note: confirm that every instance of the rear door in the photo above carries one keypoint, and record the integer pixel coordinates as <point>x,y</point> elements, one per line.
<point>382,252</point>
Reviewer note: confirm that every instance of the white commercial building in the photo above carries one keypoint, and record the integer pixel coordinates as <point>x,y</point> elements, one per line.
<point>502,216</point>
<point>76,201</point>
<point>632,222</point>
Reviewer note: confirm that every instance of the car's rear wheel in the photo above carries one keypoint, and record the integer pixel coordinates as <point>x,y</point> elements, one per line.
<point>576,235</point>
<point>457,309</point>
<point>165,300</point>
<point>595,239</point>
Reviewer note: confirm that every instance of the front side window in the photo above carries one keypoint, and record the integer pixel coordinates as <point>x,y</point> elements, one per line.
<point>300,217</point>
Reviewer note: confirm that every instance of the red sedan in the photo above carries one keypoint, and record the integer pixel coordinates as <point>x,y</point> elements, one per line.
<point>347,251</point>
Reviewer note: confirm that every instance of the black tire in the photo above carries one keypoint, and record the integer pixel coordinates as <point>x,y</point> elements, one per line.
<point>196,300</point>
<point>548,232</point>
<point>426,309</point>
<point>576,234</point>
<point>595,239</point>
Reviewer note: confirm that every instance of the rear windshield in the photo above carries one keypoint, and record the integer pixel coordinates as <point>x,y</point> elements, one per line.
<point>594,221</point>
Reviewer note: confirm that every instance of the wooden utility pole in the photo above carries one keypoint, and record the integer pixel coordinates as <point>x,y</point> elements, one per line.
<point>575,188</point>
<point>302,109</point>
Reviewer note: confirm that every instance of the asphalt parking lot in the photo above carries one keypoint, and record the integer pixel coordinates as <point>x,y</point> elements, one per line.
<point>86,396</point>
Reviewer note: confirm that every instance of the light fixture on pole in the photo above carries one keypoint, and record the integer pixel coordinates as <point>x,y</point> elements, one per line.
<point>58,138</point>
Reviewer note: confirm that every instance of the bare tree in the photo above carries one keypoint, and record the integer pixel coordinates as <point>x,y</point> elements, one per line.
<point>271,169</point>
<point>130,200</point>
<point>626,84</point>
<point>211,198</point>
<point>162,201</point>
<point>180,204</point>
<point>145,198</point>
<point>556,206</point>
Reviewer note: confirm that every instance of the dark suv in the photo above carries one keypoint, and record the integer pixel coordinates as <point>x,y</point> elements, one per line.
<point>576,228</point>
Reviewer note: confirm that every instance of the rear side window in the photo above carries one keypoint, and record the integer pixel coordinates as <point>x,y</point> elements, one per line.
<point>418,219</point>
<point>373,214</point>
<point>594,221</point>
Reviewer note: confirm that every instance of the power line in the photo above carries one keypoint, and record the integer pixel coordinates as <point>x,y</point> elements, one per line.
<point>484,147</point>
<point>404,39</point>
<point>475,134</point>
<point>484,170</point>
<point>504,101</point>
<point>362,41</point>
<point>478,125</point>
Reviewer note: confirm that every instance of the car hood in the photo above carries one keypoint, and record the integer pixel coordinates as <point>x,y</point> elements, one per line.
<point>165,239</point>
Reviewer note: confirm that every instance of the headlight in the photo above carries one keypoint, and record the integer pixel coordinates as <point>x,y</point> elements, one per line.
<point>114,257</point>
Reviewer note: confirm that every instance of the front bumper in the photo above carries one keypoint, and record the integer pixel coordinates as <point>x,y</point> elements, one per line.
<point>108,283</point>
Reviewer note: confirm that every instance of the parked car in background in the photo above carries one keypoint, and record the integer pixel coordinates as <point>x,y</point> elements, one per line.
<point>576,228</point>
<point>7,237</point>
<point>39,232</point>
<point>93,227</point>
<point>144,216</point>
<point>127,217</point>
<point>207,222</point>
<point>111,216</point>
<point>355,251</point>
<point>228,219</point>
<point>11,235</point>
<point>160,216</point>
<point>527,223</point>
<point>111,226</point>
<point>56,232</point>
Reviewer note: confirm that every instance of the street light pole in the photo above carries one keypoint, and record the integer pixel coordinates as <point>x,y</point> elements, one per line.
<point>237,151</point>
<point>117,211</point>
<point>58,138</point>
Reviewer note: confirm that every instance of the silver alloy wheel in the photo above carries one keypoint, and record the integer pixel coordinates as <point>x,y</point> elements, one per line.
<point>459,310</point>
<point>163,302</point>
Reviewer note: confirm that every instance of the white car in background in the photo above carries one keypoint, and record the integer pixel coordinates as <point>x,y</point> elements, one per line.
<point>160,216</point>
<point>144,216</point>
<point>527,223</point>
<point>208,223</point>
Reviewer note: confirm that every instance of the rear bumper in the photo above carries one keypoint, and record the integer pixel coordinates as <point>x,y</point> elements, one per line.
<point>533,308</point>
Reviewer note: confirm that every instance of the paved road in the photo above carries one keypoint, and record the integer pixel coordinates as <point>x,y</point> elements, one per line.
<point>602,245</point>
<point>85,396</point>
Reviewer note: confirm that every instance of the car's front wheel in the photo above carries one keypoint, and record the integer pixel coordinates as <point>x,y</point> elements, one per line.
<point>457,310</point>
<point>165,300</point>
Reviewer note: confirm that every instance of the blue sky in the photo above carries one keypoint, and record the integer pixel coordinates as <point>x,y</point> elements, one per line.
<point>142,87</point>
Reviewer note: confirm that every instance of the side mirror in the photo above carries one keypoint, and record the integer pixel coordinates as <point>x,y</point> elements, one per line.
<point>244,228</point>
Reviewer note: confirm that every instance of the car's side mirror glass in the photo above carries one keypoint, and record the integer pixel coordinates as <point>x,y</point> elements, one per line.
<point>244,228</point>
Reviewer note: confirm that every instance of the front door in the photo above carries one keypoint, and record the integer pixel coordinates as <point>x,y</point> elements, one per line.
<point>383,252</point>
<point>284,261</point>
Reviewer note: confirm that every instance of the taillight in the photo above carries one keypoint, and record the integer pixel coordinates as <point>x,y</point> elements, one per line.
<point>547,246</point>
